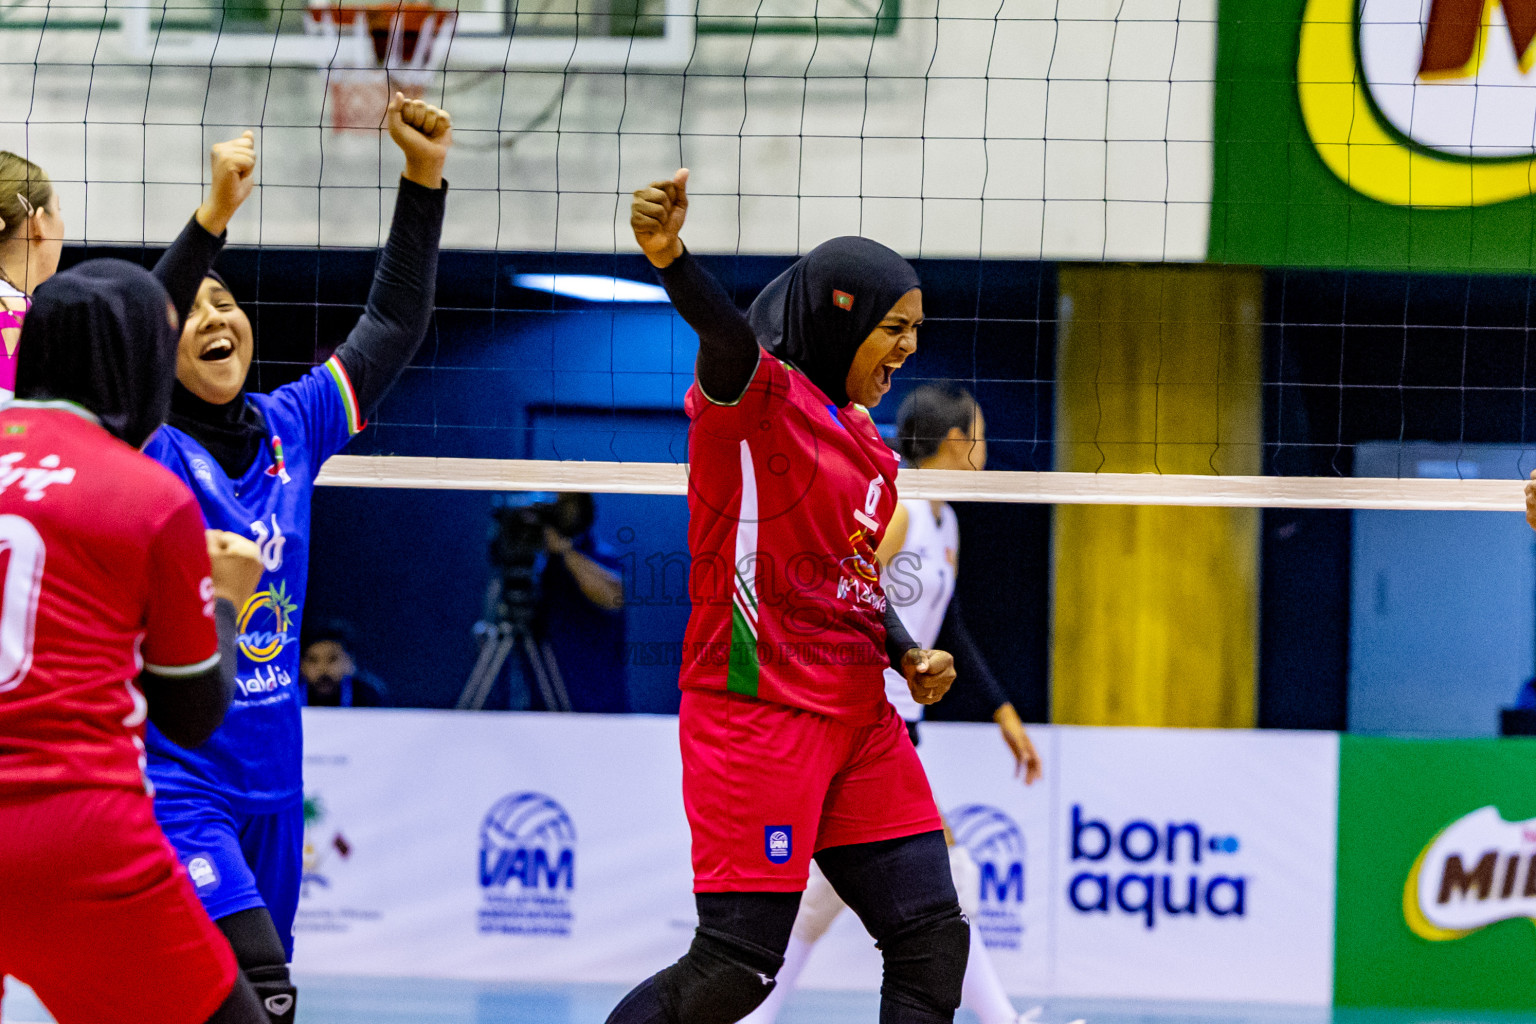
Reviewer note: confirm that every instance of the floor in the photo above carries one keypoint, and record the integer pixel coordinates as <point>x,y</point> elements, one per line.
<point>406,1001</point>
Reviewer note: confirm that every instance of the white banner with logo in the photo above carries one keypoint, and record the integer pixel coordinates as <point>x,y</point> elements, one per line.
<point>1149,863</point>
<point>493,846</point>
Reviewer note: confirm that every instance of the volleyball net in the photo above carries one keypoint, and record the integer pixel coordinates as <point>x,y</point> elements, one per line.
<point>1087,191</point>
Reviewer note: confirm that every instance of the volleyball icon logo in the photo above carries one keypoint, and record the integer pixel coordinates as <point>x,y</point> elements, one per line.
<point>996,843</point>
<point>527,866</point>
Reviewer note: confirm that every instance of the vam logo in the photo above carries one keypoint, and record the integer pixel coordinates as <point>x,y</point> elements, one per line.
<point>527,866</point>
<point>1426,103</point>
<point>996,844</point>
<point>1479,870</point>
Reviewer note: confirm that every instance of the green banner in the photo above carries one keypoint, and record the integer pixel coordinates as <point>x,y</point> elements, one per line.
<point>1348,135</point>
<point>1437,874</point>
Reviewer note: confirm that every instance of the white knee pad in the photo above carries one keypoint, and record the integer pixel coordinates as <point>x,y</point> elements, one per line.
<point>967,876</point>
<point>819,907</point>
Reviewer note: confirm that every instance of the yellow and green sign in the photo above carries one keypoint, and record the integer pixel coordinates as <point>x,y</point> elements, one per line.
<point>1391,134</point>
<point>1436,874</point>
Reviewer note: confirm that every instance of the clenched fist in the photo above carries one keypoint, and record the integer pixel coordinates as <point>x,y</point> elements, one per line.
<point>236,566</point>
<point>657,216</point>
<point>233,174</point>
<point>929,674</point>
<point>424,134</point>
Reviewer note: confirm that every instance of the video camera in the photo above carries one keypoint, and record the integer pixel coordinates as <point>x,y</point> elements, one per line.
<point>517,541</point>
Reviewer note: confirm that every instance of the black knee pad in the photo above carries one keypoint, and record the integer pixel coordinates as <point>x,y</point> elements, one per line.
<point>925,964</point>
<point>277,994</point>
<point>719,980</point>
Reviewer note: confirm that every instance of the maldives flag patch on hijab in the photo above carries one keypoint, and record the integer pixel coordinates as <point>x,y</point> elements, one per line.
<point>841,299</point>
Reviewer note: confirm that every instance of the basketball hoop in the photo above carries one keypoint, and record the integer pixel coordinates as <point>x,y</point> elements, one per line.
<point>379,49</point>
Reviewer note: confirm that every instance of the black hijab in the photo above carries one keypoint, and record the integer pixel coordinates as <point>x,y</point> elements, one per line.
<point>232,432</point>
<point>817,313</point>
<point>100,335</point>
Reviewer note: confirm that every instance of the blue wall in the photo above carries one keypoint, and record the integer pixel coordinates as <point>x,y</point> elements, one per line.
<point>509,373</point>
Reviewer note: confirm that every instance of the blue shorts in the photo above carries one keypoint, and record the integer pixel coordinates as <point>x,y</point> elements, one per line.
<point>237,861</point>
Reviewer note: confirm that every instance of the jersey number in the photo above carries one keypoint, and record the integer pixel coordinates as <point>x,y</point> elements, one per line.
<point>18,605</point>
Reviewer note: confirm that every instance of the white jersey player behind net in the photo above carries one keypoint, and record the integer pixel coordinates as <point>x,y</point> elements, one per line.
<point>938,428</point>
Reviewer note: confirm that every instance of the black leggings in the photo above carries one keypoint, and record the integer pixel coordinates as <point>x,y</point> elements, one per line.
<point>903,893</point>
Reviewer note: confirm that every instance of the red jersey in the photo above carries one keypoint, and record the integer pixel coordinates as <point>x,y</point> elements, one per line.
<point>788,497</point>
<point>106,571</point>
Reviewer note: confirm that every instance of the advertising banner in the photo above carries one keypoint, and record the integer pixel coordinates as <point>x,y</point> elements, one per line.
<point>1195,864</point>
<point>1391,134</point>
<point>1148,863</point>
<point>517,847</point>
<point>1437,873</point>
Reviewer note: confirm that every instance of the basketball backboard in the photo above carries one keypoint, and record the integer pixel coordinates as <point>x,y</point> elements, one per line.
<point>488,34</point>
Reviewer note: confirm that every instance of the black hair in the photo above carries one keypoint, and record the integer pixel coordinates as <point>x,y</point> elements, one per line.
<point>926,417</point>
<point>576,512</point>
<point>338,631</point>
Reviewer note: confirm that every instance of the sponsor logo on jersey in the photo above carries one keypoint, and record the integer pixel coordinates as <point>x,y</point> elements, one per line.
<point>322,841</point>
<point>1479,870</point>
<point>527,867</point>
<point>1146,871</point>
<point>269,542</point>
<point>779,842</point>
<point>996,843</point>
<point>34,481</point>
<point>1422,102</point>
<point>202,872</point>
<point>202,472</point>
<point>265,623</point>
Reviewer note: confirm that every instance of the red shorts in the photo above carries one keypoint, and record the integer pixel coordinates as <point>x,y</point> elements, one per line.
<point>767,785</point>
<point>98,916</point>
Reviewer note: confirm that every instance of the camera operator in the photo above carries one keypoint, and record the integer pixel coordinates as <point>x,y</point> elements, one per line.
<point>571,546</point>
<point>551,560</point>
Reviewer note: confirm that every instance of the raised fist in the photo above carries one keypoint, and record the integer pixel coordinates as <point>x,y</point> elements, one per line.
<point>657,216</point>
<point>233,174</point>
<point>424,134</point>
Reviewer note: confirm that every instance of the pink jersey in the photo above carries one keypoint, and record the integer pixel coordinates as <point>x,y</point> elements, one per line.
<point>788,497</point>
<point>106,572</point>
<point>10,336</point>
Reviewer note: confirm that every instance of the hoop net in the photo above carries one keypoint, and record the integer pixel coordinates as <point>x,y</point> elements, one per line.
<point>378,50</point>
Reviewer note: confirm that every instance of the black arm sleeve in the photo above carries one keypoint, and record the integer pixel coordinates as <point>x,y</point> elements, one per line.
<point>394,323</point>
<point>189,708</point>
<point>897,640</point>
<point>728,349</point>
<point>182,267</point>
<point>979,691</point>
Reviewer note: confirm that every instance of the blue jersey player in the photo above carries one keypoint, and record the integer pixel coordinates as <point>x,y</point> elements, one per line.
<point>233,808</point>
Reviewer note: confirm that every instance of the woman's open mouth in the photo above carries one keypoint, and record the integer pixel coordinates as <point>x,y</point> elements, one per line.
<point>216,350</point>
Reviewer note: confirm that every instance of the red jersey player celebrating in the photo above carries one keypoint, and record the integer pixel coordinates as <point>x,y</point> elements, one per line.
<point>109,615</point>
<point>790,748</point>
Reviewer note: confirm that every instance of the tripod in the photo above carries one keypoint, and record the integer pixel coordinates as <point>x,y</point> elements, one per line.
<point>512,628</point>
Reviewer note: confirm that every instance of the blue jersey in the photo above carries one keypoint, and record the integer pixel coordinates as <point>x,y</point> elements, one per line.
<point>255,758</point>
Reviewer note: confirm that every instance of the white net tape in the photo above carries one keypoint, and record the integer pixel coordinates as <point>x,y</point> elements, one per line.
<point>949,485</point>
